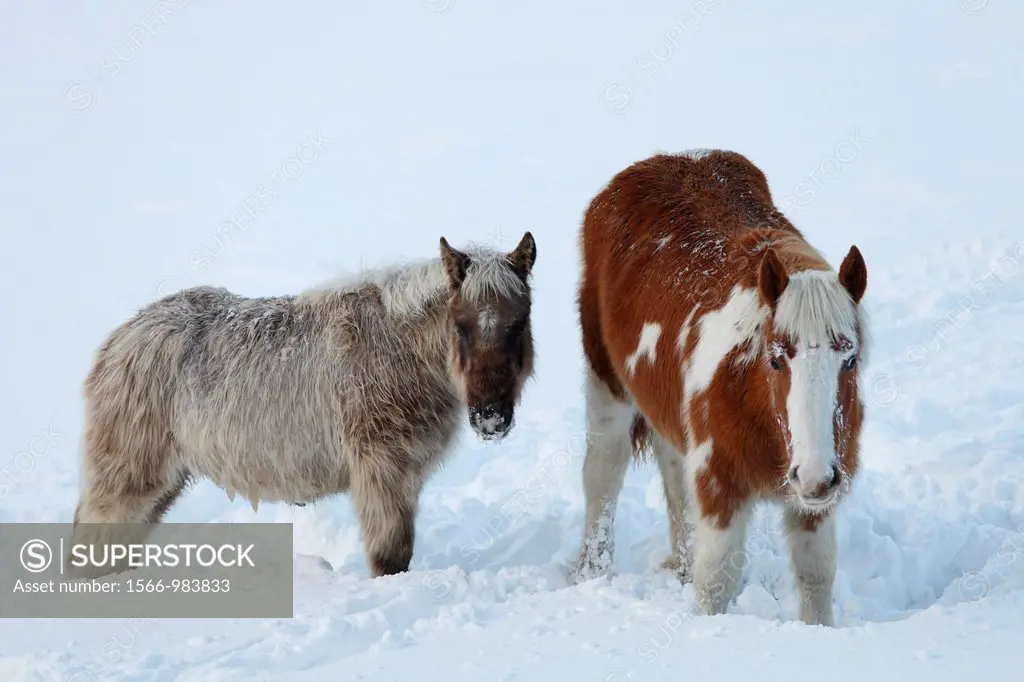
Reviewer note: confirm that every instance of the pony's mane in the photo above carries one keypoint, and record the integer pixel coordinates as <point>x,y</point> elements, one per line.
<point>410,288</point>
<point>815,307</point>
<point>697,153</point>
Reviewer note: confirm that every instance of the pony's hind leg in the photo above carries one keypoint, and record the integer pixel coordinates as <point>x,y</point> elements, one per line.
<point>386,498</point>
<point>604,470</point>
<point>673,476</point>
<point>812,548</point>
<point>124,494</point>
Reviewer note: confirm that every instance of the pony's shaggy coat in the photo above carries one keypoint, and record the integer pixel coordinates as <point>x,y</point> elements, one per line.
<point>356,386</point>
<point>718,339</point>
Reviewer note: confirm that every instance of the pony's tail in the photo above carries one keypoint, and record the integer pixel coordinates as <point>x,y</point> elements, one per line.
<point>640,438</point>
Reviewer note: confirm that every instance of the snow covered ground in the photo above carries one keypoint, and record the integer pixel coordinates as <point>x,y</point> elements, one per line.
<point>131,136</point>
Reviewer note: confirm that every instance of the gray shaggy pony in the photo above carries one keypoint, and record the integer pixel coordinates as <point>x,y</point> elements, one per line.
<point>353,387</point>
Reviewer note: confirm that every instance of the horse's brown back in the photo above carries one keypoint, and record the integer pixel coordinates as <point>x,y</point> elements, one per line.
<point>695,223</point>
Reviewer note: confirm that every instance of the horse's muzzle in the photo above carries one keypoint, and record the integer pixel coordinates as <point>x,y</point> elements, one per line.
<point>492,421</point>
<point>816,493</point>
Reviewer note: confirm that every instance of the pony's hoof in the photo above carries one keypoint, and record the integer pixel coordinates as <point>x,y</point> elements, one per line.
<point>680,567</point>
<point>585,571</point>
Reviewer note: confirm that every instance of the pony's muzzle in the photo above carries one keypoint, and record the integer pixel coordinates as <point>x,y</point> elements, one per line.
<point>492,421</point>
<point>815,490</point>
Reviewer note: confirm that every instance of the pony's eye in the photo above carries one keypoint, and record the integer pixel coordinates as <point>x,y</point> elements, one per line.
<point>776,363</point>
<point>850,363</point>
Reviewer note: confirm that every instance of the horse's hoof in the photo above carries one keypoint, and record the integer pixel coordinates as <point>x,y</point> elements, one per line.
<point>586,571</point>
<point>680,567</point>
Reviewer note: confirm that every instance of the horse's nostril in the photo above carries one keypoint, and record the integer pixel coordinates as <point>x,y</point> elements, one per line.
<point>793,474</point>
<point>488,412</point>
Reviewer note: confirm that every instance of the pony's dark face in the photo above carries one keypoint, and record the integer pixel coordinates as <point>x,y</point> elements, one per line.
<point>491,342</point>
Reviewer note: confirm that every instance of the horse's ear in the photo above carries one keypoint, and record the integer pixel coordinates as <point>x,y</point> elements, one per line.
<point>455,263</point>
<point>853,274</point>
<point>771,278</point>
<point>524,256</point>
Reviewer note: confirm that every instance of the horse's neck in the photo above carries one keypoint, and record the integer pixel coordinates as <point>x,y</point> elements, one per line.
<point>428,330</point>
<point>414,289</point>
<point>435,329</point>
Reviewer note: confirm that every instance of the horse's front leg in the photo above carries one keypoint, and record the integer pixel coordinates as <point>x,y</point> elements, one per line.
<point>673,476</point>
<point>719,558</point>
<point>386,489</point>
<point>604,471</point>
<point>812,550</point>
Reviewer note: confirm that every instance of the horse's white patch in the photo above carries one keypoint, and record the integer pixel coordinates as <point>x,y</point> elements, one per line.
<point>684,331</point>
<point>662,242</point>
<point>720,332</point>
<point>487,321</point>
<point>684,338</point>
<point>695,462</point>
<point>646,347</point>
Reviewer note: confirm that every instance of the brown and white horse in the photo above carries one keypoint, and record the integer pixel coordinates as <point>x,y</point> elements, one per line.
<point>719,339</point>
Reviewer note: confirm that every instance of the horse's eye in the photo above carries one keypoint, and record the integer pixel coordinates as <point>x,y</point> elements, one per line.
<point>850,363</point>
<point>776,363</point>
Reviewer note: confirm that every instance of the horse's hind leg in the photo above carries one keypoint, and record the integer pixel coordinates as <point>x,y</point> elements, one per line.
<point>673,476</point>
<point>126,490</point>
<point>604,470</point>
<point>386,497</point>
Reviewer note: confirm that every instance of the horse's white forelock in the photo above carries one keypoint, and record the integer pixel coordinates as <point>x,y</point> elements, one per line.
<point>814,306</point>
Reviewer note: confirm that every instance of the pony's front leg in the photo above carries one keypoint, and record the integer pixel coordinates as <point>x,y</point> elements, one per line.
<point>719,559</point>
<point>812,550</point>
<point>386,497</point>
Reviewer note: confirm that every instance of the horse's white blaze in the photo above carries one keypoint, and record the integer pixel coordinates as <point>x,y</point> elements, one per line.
<point>811,404</point>
<point>646,347</point>
<point>720,332</point>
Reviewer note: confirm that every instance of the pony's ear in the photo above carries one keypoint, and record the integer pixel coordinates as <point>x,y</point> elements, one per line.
<point>771,278</point>
<point>524,256</point>
<point>455,263</point>
<point>853,274</point>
